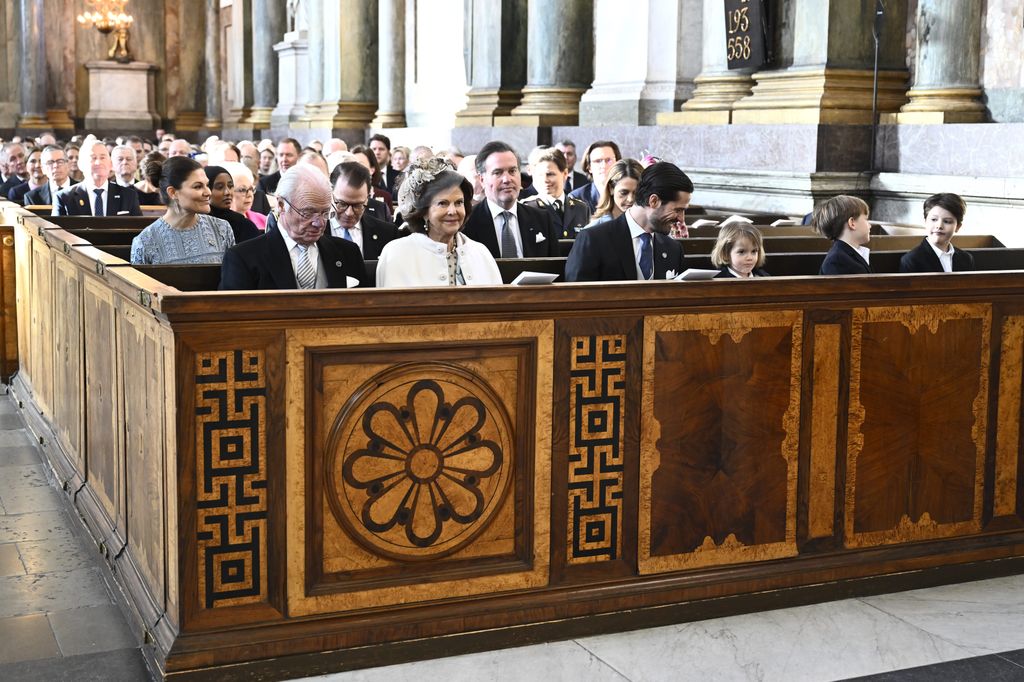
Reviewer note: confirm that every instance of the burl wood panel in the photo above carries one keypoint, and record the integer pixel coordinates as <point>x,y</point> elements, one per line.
<point>824,416</point>
<point>8,297</point>
<point>596,462</point>
<point>1008,424</point>
<point>23,295</point>
<point>719,453</point>
<point>103,420</point>
<point>421,470</point>
<point>41,334</point>
<point>231,477</point>
<point>142,352</point>
<point>68,391</point>
<point>918,417</point>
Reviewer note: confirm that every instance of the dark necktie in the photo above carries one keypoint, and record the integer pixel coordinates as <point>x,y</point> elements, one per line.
<point>97,206</point>
<point>508,240</point>
<point>646,256</point>
<point>347,234</point>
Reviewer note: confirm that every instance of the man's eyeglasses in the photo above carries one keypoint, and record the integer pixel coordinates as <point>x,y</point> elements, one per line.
<point>343,206</point>
<point>308,216</point>
<point>54,162</point>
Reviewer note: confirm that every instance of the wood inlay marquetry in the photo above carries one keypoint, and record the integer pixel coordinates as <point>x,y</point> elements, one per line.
<point>419,462</point>
<point>231,477</point>
<point>918,418</point>
<point>1008,425</point>
<point>718,480</point>
<point>824,415</point>
<point>597,394</point>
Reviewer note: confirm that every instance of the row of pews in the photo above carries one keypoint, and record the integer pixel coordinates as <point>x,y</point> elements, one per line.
<point>288,483</point>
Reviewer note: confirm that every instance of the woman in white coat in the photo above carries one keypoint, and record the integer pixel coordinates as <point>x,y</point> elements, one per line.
<point>434,200</point>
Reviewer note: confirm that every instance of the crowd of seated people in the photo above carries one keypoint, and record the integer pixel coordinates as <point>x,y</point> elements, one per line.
<point>429,218</point>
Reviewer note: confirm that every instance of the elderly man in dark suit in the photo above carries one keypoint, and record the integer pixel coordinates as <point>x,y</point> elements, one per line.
<point>288,151</point>
<point>351,183</point>
<point>96,195</point>
<point>636,245</point>
<point>36,177</point>
<point>297,255</point>
<point>507,228</point>
<point>13,157</point>
<point>56,167</point>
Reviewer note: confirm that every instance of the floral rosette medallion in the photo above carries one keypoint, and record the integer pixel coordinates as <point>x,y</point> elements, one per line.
<point>419,461</point>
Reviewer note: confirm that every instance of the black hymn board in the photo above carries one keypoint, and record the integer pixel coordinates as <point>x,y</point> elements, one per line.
<point>745,33</point>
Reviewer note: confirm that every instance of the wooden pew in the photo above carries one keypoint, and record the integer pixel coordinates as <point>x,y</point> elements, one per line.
<point>224,446</point>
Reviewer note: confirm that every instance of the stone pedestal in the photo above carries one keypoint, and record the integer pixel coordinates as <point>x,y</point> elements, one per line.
<point>122,97</point>
<point>292,84</point>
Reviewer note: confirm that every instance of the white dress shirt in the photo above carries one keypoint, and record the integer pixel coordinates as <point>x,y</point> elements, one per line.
<point>356,231</point>
<point>634,232</point>
<point>945,258</point>
<point>513,224</point>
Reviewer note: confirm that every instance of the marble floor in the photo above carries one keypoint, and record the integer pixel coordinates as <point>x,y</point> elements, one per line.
<point>58,620</point>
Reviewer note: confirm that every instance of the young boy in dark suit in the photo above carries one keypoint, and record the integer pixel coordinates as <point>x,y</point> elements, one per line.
<point>943,216</point>
<point>844,220</point>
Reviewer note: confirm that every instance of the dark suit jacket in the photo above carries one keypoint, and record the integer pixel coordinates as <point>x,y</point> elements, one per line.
<point>725,274</point>
<point>578,180</point>
<point>843,259</point>
<point>575,215</point>
<point>77,200</point>
<point>533,223</point>
<point>376,233</point>
<point>268,183</point>
<point>40,196</point>
<point>10,183</point>
<point>263,263</point>
<point>922,258</point>
<point>604,253</point>
<point>588,193</point>
<point>18,192</point>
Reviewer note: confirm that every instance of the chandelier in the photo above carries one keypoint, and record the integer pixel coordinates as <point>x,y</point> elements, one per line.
<point>108,16</point>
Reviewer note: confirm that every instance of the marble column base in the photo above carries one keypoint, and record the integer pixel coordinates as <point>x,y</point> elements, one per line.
<point>637,103</point>
<point>189,121</point>
<point>33,122</point>
<point>712,101</point>
<point>292,87</point>
<point>521,138</point>
<point>545,106</point>
<point>59,119</point>
<point>122,97</point>
<point>259,117</point>
<point>483,104</point>
<point>388,119</point>
<point>941,105</point>
<point>343,115</point>
<point>818,95</point>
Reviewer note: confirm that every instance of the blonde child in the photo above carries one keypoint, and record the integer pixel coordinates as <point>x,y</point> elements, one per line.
<point>844,220</point>
<point>739,252</point>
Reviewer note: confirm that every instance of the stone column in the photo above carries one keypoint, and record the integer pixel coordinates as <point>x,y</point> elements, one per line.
<point>827,53</point>
<point>240,75</point>
<point>213,80</point>
<point>33,65</point>
<point>350,68</point>
<point>496,59</point>
<point>632,86</point>
<point>391,65</point>
<point>314,60</point>
<point>559,62</point>
<point>268,28</point>
<point>717,87</point>
<point>947,69</point>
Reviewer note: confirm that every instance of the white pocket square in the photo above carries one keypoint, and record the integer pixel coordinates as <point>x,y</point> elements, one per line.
<point>351,282</point>
<point>671,274</point>
<point>540,237</point>
<point>122,213</point>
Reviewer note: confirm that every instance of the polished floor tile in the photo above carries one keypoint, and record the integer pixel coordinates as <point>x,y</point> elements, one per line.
<point>11,420</point>
<point>10,560</point>
<point>27,500</point>
<point>17,455</point>
<point>989,668</point>
<point>15,438</point>
<point>91,629</point>
<point>34,527</point>
<point>58,552</point>
<point>26,638</point>
<point>123,665</point>
<point>40,593</point>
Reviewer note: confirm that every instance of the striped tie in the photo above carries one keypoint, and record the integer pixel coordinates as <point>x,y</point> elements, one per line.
<point>305,274</point>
